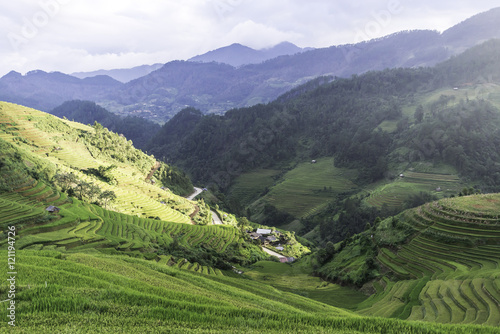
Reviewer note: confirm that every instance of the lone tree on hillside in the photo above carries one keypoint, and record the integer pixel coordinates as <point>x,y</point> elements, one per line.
<point>107,196</point>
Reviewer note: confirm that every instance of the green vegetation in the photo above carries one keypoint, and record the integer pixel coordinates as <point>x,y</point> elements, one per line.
<point>296,278</point>
<point>136,129</point>
<point>174,179</point>
<point>437,127</point>
<point>161,222</point>
<point>92,293</point>
<point>309,187</point>
<point>102,235</point>
<point>438,262</point>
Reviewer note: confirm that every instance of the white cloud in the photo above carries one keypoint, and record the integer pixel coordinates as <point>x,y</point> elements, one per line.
<point>257,35</point>
<point>78,35</point>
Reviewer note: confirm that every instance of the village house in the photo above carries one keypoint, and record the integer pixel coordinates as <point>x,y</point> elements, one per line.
<point>254,235</point>
<point>263,231</point>
<point>52,209</point>
<point>271,238</point>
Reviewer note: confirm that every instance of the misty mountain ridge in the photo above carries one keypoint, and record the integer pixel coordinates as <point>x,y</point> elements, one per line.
<point>238,55</point>
<point>216,87</point>
<point>46,90</point>
<point>123,75</point>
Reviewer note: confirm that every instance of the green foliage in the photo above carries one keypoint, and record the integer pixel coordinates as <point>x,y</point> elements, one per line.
<point>204,215</point>
<point>465,136</point>
<point>17,159</point>
<point>103,173</point>
<point>104,143</point>
<point>442,258</point>
<point>174,179</point>
<point>136,129</point>
<point>378,124</point>
<point>86,293</point>
<point>344,219</point>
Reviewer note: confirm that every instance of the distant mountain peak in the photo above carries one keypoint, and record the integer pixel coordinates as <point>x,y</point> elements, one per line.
<point>12,74</point>
<point>238,55</point>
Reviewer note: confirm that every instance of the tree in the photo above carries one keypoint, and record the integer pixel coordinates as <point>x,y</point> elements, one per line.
<point>419,114</point>
<point>107,196</point>
<point>65,180</point>
<point>93,192</point>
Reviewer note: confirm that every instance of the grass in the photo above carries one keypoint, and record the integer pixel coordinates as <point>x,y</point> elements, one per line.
<point>58,141</point>
<point>296,278</point>
<point>98,278</point>
<point>309,187</point>
<point>247,187</point>
<point>88,293</point>
<point>455,255</point>
<point>395,193</point>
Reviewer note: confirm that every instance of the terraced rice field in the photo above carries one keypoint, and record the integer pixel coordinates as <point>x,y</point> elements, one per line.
<point>310,187</point>
<point>394,194</point>
<point>134,195</point>
<point>79,226</point>
<point>456,253</point>
<point>249,186</point>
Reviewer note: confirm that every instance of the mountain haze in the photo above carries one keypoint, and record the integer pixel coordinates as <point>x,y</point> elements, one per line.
<point>122,75</point>
<point>237,55</point>
<point>42,90</point>
<point>217,87</point>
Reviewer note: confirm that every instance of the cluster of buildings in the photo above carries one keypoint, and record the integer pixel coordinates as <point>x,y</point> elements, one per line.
<point>270,238</point>
<point>264,235</point>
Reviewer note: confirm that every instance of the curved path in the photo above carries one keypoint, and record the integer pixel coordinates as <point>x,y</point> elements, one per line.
<point>215,218</point>
<point>197,191</point>
<point>270,252</point>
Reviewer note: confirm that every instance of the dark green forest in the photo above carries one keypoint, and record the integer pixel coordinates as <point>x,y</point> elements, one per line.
<point>342,119</point>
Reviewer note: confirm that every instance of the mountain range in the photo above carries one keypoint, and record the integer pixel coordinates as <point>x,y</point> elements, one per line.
<point>373,183</point>
<point>237,55</point>
<point>123,75</point>
<point>216,87</point>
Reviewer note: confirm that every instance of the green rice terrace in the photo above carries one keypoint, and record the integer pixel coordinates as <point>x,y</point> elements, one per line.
<point>140,218</point>
<point>302,191</point>
<point>103,245</point>
<point>437,263</point>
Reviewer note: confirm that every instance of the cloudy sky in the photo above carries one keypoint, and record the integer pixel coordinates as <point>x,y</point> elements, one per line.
<point>86,35</point>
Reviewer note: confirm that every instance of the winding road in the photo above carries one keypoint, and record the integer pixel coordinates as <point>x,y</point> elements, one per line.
<point>270,252</point>
<point>215,217</point>
<point>197,191</point>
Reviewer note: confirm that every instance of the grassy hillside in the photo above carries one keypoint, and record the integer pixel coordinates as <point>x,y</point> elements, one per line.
<point>136,263</point>
<point>69,147</point>
<point>91,293</point>
<point>438,262</point>
<point>104,192</point>
<point>309,187</point>
<point>134,128</point>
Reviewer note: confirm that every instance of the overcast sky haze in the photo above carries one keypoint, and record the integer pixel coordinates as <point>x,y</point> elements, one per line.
<point>87,35</point>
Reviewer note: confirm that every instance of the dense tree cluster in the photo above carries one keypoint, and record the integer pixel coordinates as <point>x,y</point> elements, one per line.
<point>465,135</point>
<point>84,191</point>
<point>173,178</point>
<point>136,129</point>
<point>342,118</point>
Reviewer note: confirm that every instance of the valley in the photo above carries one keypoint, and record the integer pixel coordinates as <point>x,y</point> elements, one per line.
<point>349,189</point>
<point>83,258</point>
